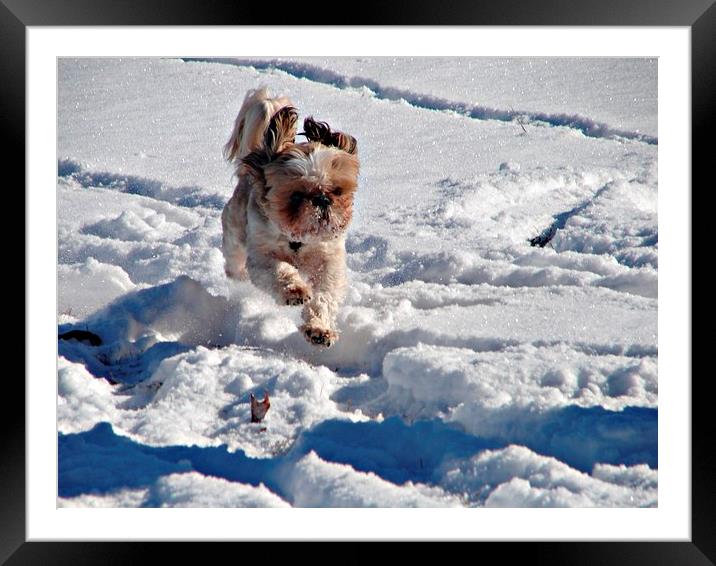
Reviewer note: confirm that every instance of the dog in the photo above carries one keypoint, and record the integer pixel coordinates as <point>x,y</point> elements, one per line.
<point>284,226</point>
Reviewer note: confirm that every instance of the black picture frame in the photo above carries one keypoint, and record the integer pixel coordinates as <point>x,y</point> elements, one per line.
<point>699,15</point>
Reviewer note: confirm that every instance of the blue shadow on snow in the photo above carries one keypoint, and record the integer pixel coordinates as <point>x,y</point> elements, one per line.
<point>100,461</point>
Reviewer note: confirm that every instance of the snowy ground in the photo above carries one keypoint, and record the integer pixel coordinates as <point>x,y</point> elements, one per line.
<point>473,369</point>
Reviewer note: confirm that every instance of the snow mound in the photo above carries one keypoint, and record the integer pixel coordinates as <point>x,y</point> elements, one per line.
<point>324,484</point>
<point>196,490</point>
<point>130,226</point>
<point>90,284</point>
<point>517,477</point>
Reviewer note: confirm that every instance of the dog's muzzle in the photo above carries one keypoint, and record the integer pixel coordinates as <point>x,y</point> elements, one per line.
<point>321,201</point>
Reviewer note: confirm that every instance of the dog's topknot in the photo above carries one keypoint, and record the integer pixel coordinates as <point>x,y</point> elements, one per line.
<point>321,132</point>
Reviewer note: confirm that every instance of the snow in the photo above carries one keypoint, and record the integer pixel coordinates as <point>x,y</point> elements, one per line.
<point>525,479</point>
<point>473,369</point>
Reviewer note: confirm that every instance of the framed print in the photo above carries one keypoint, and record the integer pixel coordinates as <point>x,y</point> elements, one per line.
<point>458,218</point>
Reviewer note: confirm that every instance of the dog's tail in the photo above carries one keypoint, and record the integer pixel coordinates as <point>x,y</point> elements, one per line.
<point>322,133</point>
<point>251,123</point>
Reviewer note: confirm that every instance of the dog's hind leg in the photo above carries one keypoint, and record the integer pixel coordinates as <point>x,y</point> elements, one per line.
<point>233,240</point>
<point>235,264</point>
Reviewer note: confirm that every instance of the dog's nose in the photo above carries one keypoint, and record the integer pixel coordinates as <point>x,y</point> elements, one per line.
<point>321,201</point>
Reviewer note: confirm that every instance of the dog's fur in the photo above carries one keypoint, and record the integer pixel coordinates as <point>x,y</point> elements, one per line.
<point>284,227</point>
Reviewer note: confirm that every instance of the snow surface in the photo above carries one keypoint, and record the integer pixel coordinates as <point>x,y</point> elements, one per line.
<point>473,369</point>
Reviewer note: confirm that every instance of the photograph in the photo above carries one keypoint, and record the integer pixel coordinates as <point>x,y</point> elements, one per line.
<point>357,282</point>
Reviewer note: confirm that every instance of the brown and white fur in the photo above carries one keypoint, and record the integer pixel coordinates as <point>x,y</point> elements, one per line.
<point>284,227</point>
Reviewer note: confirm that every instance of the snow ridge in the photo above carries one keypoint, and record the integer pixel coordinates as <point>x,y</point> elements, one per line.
<point>189,196</point>
<point>583,124</point>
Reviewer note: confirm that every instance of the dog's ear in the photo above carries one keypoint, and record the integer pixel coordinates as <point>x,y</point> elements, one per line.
<point>321,132</point>
<point>254,162</point>
<point>281,130</point>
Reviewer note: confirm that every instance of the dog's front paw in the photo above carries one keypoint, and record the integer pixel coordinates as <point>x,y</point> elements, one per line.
<point>319,335</point>
<point>296,294</point>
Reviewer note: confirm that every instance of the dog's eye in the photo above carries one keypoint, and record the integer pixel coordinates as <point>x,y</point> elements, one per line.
<point>296,198</point>
<point>338,191</point>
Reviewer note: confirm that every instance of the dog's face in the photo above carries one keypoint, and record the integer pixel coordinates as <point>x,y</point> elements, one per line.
<point>309,191</point>
<point>306,189</point>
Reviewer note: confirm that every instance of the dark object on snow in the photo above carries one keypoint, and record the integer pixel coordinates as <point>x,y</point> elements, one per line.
<point>543,239</point>
<point>560,220</point>
<point>259,408</point>
<point>81,336</point>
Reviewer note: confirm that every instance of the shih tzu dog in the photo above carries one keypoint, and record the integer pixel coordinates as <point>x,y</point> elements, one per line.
<point>284,227</point>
